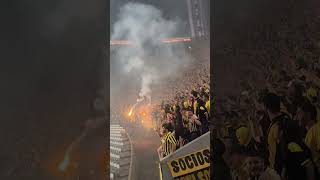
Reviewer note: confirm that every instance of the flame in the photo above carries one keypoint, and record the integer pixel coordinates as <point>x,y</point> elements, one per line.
<point>145,114</point>
<point>130,112</point>
<point>64,164</point>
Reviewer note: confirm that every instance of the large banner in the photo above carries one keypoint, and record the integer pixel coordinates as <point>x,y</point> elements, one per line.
<point>191,162</point>
<point>192,166</point>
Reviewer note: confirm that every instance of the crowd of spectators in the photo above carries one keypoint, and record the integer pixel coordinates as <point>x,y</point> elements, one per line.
<point>270,129</point>
<point>184,112</point>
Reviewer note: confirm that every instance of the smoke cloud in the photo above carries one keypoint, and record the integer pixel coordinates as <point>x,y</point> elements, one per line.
<point>148,61</point>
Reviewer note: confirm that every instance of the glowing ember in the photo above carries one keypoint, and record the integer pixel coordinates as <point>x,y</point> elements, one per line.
<point>64,164</point>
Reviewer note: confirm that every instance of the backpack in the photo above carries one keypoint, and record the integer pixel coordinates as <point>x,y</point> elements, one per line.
<point>291,134</point>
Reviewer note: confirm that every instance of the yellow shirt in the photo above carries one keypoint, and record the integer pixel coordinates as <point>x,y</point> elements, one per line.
<point>186,104</point>
<point>312,140</point>
<point>311,92</point>
<point>208,106</point>
<point>195,105</point>
<point>273,140</point>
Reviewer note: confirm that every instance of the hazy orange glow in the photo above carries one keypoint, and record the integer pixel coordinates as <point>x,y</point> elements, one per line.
<point>165,40</point>
<point>141,114</point>
<point>146,119</point>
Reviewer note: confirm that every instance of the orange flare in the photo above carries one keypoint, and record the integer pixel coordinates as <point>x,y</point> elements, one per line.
<point>130,112</point>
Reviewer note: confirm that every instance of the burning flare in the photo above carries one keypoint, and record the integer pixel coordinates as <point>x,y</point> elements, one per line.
<point>130,112</point>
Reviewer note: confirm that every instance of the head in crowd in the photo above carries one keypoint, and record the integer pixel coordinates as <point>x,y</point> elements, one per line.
<point>237,156</point>
<point>177,109</point>
<point>254,164</point>
<point>189,113</point>
<point>194,94</point>
<point>307,114</point>
<point>272,103</point>
<point>205,97</point>
<point>243,135</point>
<point>295,90</point>
<point>166,128</point>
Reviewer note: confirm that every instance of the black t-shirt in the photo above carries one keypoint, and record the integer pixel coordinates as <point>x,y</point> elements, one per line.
<point>252,146</point>
<point>178,125</point>
<point>265,124</point>
<point>292,105</point>
<point>291,151</point>
<point>178,120</point>
<point>295,163</point>
<point>285,124</point>
<point>201,110</point>
<point>220,169</point>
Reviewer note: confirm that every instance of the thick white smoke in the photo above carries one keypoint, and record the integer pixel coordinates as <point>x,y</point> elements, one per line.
<point>148,57</point>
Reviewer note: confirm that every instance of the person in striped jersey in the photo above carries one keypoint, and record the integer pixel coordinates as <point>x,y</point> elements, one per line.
<point>169,142</point>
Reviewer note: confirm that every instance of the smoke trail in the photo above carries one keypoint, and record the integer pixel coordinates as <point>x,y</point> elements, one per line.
<point>148,59</point>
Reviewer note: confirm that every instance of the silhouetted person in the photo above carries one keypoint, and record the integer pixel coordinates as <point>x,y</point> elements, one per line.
<point>220,169</point>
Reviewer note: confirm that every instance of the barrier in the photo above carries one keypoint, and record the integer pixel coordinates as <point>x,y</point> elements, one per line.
<point>131,175</point>
<point>191,161</point>
<point>120,153</point>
